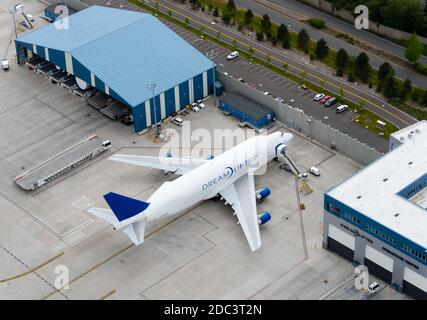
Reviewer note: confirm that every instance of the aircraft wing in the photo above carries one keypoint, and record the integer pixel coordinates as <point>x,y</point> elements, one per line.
<point>176,165</point>
<point>241,196</point>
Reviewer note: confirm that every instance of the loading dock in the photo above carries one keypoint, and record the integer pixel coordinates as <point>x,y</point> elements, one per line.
<point>116,110</point>
<point>99,100</point>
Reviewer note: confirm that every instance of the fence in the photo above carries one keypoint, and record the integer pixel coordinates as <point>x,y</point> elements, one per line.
<point>297,120</point>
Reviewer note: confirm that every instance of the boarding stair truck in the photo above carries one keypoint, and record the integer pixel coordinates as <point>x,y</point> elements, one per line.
<point>288,164</point>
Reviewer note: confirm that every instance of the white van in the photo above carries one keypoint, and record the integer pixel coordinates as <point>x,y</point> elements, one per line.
<point>342,108</point>
<point>178,121</point>
<point>315,171</point>
<point>5,64</point>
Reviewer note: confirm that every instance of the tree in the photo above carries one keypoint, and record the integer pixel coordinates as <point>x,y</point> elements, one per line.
<point>249,15</point>
<point>390,88</point>
<point>286,43</point>
<point>303,39</point>
<point>414,49</point>
<point>260,36</point>
<point>341,59</point>
<point>321,48</point>
<point>282,32</point>
<point>266,23</point>
<point>216,12</point>
<point>406,90</point>
<point>193,3</point>
<point>415,96</point>
<point>362,68</point>
<point>231,6</point>
<point>227,16</point>
<point>384,71</point>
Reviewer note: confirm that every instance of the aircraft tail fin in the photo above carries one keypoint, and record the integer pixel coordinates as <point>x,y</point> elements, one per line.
<point>124,207</point>
<point>135,231</point>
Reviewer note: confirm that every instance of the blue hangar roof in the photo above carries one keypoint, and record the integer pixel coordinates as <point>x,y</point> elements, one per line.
<point>124,49</point>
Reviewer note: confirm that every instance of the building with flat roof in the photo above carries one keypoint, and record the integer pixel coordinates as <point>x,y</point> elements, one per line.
<point>378,217</point>
<point>246,110</point>
<point>121,52</point>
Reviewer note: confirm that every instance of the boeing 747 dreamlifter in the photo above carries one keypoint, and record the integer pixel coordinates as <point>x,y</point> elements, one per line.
<point>231,175</point>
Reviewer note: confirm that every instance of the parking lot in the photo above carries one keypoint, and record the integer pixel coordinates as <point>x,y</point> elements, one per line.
<point>201,253</point>
<point>278,86</point>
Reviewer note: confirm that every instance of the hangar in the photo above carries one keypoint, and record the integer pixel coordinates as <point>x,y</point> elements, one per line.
<point>379,216</point>
<point>120,53</point>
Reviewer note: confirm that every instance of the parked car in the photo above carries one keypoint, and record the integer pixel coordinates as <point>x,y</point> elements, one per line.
<point>200,104</point>
<point>266,93</point>
<point>242,80</point>
<point>342,108</point>
<point>374,286</point>
<point>280,99</point>
<point>30,17</point>
<point>5,64</point>
<point>315,171</point>
<point>318,96</point>
<point>331,102</point>
<point>252,85</point>
<point>233,55</point>
<point>178,121</point>
<point>195,107</point>
<point>325,98</point>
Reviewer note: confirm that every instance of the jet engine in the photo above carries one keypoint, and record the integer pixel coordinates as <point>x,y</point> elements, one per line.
<point>262,193</point>
<point>264,218</point>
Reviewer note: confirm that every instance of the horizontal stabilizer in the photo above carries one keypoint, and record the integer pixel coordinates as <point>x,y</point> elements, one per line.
<point>124,207</point>
<point>135,231</point>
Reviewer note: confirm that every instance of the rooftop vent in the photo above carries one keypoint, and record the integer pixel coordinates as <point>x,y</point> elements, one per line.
<point>402,138</point>
<point>417,130</point>
<point>358,197</point>
<point>385,179</point>
<point>397,214</point>
<point>410,163</point>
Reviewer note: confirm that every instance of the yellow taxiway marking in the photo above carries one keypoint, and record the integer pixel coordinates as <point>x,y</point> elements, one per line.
<point>31,270</point>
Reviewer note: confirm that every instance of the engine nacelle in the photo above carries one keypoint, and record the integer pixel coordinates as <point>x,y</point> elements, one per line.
<point>264,218</point>
<point>262,193</point>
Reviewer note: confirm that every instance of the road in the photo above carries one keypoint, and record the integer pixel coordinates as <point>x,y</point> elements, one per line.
<point>345,27</point>
<point>333,42</point>
<point>267,80</point>
<point>280,57</point>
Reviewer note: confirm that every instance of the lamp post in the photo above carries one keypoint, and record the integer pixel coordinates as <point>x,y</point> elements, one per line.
<point>211,56</point>
<point>152,86</point>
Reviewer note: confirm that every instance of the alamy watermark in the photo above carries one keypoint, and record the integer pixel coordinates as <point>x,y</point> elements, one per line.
<point>361,22</point>
<point>62,281</point>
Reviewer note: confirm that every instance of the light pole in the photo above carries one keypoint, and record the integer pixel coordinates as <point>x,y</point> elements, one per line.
<point>152,86</point>
<point>211,56</point>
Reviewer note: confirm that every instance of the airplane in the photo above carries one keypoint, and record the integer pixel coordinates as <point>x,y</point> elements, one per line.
<point>229,176</point>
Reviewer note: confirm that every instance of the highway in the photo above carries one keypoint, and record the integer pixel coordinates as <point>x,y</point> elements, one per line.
<point>297,67</point>
<point>344,27</point>
<point>271,7</point>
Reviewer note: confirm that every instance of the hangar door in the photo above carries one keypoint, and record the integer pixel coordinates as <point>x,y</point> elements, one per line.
<point>414,284</point>
<point>379,264</point>
<point>341,242</point>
